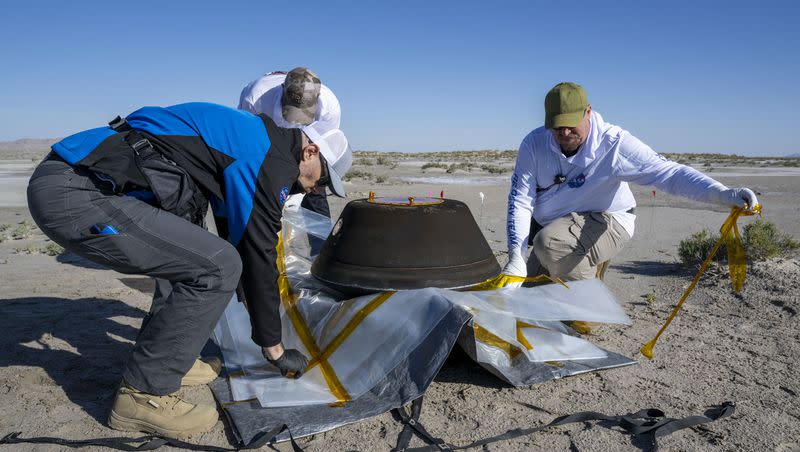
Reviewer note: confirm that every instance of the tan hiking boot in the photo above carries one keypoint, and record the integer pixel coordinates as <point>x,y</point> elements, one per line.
<point>167,415</point>
<point>203,371</point>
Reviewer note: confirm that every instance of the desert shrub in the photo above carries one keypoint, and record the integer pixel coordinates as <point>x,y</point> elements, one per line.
<point>381,178</point>
<point>28,249</point>
<point>53,249</point>
<point>491,169</point>
<point>364,162</point>
<point>695,249</point>
<point>384,160</point>
<point>761,239</point>
<point>466,166</point>
<point>434,165</point>
<point>4,227</point>
<point>23,230</point>
<point>357,174</point>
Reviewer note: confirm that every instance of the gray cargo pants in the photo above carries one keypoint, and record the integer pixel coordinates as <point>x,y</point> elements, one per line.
<point>572,246</point>
<point>71,207</point>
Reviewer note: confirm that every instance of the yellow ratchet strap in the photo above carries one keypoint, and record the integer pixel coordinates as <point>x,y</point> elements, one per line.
<point>349,328</point>
<point>489,338</point>
<point>501,280</point>
<point>289,301</point>
<point>497,282</point>
<point>737,266</point>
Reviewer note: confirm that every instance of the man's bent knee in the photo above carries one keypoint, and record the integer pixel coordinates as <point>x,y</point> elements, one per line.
<point>539,247</point>
<point>584,270</point>
<point>228,269</point>
<point>543,250</point>
<point>559,252</point>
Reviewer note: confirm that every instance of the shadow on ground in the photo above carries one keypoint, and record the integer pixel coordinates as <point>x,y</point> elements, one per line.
<point>145,285</point>
<point>74,259</point>
<point>652,268</point>
<point>460,368</point>
<point>89,367</point>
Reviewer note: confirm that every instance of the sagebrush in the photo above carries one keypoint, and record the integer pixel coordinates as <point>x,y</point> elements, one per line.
<point>23,230</point>
<point>761,239</point>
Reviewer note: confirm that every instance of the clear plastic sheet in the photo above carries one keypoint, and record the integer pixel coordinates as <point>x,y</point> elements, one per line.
<point>358,342</point>
<point>588,300</point>
<point>549,345</point>
<point>386,337</point>
<point>406,382</point>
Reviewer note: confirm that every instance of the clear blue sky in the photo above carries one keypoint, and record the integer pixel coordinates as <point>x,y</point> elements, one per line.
<point>685,76</point>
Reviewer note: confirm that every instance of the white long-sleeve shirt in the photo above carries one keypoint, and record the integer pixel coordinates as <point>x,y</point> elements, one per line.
<point>263,95</point>
<point>596,179</point>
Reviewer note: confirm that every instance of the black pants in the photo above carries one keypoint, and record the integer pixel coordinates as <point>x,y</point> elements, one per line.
<point>315,202</point>
<point>199,269</point>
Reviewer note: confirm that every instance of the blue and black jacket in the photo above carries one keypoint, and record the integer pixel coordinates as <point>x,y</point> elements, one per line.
<point>244,164</point>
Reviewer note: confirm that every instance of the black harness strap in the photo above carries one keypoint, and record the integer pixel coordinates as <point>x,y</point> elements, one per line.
<point>136,140</point>
<point>411,426</point>
<point>649,423</point>
<point>150,442</point>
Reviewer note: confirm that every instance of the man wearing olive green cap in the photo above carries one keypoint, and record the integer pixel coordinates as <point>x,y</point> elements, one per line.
<point>570,198</point>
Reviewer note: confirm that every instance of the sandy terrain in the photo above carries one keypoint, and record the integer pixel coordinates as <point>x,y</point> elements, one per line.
<point>68,326</point>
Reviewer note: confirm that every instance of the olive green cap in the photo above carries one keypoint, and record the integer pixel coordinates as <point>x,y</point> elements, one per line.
<point>565,105</point>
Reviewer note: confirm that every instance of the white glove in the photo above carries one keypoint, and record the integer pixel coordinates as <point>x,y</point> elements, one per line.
<point>738,197</point>
<point>515,267</point>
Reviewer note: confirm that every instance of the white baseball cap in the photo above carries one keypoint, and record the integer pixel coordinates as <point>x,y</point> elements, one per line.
<point>337,153</point>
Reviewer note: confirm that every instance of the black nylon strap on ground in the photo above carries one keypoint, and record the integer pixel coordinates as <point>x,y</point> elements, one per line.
<point>649,423</point>
<point>411,426</point>
<point>148,442</point>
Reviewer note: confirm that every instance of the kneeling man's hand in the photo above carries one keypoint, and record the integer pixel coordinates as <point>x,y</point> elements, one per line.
<point>515,267</point>
<point>738,197</point>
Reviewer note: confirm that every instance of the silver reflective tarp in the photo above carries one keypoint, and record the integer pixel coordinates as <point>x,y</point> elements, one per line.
<point>369,346</point>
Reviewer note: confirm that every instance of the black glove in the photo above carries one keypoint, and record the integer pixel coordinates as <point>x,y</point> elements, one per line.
<point>290,361</point>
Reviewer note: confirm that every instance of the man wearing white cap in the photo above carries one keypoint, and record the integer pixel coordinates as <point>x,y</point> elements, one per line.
<point>295,99</point>
<point>133,196</point>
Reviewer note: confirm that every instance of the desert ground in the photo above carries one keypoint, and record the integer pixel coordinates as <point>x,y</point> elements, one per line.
<point>67,326</point>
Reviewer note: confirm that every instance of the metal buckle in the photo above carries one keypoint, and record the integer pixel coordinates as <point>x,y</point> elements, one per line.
<point>116,122</point>
<point>141,144</point>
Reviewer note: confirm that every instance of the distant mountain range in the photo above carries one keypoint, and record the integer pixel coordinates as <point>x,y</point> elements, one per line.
<point>26,148</point>
<point>794,155</point>
<point>28,144</point>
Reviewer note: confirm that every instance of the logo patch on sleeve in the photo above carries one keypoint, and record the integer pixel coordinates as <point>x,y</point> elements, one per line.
<point>284,195</point>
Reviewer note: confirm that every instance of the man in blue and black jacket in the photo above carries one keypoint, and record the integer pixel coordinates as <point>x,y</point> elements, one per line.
<point>133,197</point>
